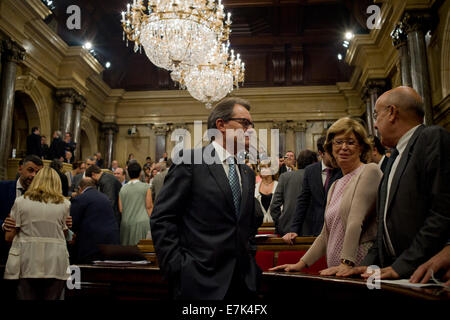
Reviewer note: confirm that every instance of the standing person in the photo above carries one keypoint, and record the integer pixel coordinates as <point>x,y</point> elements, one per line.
<point>57,165</point>
<point>378,153</point>
<point>158,180</point>
<point>38,257</point>
<point>136,205</point>
<point>70,145</point>
<point>44,147</point>
<point>282,208</point>
<point>34,143</point>
<point>265,189</point>
<point>12,189</point>
<point>68,157</point>
<point>309,212</point>
<point>57,147</point>
<point>414,196</point>
<point>90,161</point>
<point>107,184</point>
<point>350,227</point>
<point>93,222</point>
<point>120,175</point>
<point>202,232</point>
<point>289,163</point>
<point>77,168</point>
<point>100,162</point>
<point>114,165</point>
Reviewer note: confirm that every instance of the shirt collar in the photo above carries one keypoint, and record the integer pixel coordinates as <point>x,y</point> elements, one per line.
<point>324,167</point>
<point>19,185</point>
<point>403,142</point>
<point>222,153</point>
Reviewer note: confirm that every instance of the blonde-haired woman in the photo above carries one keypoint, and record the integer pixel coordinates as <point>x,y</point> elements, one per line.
<point>350,219</point>
<point>38,257</point>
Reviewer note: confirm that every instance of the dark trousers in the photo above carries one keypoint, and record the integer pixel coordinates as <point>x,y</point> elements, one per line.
<point>238,290</point>
<point>40,289</point>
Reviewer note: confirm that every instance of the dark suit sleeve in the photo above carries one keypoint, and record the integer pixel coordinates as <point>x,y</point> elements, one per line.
<point>303,201</point>
<point>277,201</point>
<point>110,190</point>
<point>434,155</point>
<point>169,206</point>
<point>76,212</point>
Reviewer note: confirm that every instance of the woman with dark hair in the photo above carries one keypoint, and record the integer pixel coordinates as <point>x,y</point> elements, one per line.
<point>305,158</point>
<point>57,165</point>
<point>136,205</point>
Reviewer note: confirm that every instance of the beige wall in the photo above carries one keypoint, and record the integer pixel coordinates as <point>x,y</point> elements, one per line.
<point>51,64</point>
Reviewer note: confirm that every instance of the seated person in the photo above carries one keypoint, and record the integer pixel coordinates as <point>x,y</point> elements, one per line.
<point>92,221</point>
<point>350,227</point>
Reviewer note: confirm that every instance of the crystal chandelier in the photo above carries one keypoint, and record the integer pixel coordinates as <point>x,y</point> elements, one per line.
<point>176,31</point>
<point>211,82</point>
<point>187,37</point>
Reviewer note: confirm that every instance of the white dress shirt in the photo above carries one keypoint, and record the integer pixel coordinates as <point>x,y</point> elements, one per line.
<point>223,155</point>
<point>401,146</point>
<point>324,173</point>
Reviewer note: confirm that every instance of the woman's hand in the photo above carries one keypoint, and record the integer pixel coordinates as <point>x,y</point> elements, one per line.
<point>338,271</point>
<point>299,266</point>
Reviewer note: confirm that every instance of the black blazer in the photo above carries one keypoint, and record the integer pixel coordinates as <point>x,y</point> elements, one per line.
<point>110,186</point>
<point>57,149</point>
<point>34,145</point>
<point>198,238</point>
<point>418,216</point>
<point>94,224</point>
<point>309,212</point>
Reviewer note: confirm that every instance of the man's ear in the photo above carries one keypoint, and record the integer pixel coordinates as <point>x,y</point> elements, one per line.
<point>393,113</point>
<point>220,125</point>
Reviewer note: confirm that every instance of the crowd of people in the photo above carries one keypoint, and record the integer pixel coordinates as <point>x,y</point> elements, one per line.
<point>368,200</point>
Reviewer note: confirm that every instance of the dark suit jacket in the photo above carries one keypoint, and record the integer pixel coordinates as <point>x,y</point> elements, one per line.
<point>34,145</point>
<point>418,216</point>
<point>7,198</point>
<point>57,149</point>
<point>310,209</point>
<point>288,189</point>
<point>64,183</point>
<point>93,223</point>
<point>100,163</point>
<point>75,182</point>
<point>110,186</point>
<point>198,238</point>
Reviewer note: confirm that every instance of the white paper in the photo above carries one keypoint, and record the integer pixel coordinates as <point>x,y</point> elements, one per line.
<point>406,283</point>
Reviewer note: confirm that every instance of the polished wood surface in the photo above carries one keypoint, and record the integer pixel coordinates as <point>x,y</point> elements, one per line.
<point>147,283</point>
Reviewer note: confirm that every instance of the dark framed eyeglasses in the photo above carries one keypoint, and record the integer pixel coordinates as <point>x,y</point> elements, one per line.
<point>244,122</point>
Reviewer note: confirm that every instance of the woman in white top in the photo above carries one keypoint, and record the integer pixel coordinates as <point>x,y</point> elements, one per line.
<point>38,256</point>
<point>265,189</point>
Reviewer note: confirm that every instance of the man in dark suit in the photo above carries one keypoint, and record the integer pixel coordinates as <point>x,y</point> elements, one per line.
<point>288,163</point>
<point>10,190</point>
<point>57,147</point>
<point>309,212</point>
<point>288,189</point>
<point>204,217</point>
<point>414,195</point>
<point>92,221</point>
<point>100,162</point>
<point>379,153</point>
<point>107,184</point>
<point>34,143</point>
<point>77,179</point>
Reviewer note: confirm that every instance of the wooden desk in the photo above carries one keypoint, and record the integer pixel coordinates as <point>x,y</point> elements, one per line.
<point>147,283</point>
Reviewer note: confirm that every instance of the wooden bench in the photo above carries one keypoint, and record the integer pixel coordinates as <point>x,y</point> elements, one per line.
<point>271,251</point>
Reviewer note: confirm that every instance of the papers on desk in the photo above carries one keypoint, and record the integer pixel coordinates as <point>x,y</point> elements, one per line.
<point>406,283</point>
<point>120,263</point>
<point>268,235</point>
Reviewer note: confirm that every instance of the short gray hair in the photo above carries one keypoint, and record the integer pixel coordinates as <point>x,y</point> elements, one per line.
<point>224,110</point>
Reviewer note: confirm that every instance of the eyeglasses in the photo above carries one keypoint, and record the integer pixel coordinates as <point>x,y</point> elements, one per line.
<point>244,122</point>
<point>349,143</point>
<point>375,113</point>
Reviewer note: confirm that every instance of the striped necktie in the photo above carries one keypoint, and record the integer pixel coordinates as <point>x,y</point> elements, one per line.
<point>234,184</point>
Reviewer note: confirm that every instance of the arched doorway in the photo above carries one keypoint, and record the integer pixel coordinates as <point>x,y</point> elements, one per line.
<point>25,117</point>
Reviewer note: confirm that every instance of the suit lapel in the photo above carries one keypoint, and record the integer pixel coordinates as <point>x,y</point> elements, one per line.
<point>221,178</point>
<point>318,178</point>
<point>245,187</point>
<point>402,165</point>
